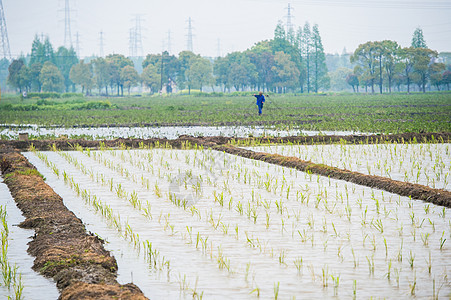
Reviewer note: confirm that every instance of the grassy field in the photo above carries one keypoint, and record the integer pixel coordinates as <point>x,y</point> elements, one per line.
<point>364,113</point>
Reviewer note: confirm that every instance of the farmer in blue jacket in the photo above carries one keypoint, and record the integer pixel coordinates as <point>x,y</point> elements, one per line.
<point>260,101</point>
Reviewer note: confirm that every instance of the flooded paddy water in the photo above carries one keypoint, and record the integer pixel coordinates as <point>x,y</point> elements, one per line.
<point>35,286</point>
<point>169,132</point>
<point>200,223</point>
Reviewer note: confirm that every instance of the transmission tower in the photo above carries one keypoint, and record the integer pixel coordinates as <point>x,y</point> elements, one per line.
<point>101,40</point>
<point>4,47</point>
<point>168,48</point>
<point>135,38</point>
<point>189,43</point>
<point>289,18</point>
<point>67,32</point>
<point>77,44</point>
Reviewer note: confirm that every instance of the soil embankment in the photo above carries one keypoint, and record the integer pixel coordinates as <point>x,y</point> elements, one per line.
<point>416,191</point>
<point>63,250</point>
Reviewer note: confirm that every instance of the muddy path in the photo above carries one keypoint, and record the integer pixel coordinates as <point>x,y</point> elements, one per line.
<point>185,141</point>
<point>63,250</point>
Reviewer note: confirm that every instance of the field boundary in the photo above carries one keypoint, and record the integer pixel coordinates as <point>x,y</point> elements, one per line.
<point>185,141</point>
<point>63,250</point>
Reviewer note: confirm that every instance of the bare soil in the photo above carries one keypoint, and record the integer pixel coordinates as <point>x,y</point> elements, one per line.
<point>63,250</point>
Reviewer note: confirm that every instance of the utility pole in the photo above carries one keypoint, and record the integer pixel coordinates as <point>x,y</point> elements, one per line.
<point>5,51</point>
<point>101,40</point>
<point>67,31</point>
<point>189,43</point>
<point>161,72</point>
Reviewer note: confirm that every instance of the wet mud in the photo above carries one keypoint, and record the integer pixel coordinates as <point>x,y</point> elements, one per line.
<point>63,250</point>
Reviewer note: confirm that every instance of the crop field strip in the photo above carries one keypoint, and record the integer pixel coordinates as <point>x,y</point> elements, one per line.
<point>274,216</point>
<point>426,164</point>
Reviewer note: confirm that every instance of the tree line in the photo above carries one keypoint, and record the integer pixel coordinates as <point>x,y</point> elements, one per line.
<point>293,61</point>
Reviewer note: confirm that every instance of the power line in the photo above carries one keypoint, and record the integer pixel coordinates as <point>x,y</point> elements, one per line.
<point>5,50</point>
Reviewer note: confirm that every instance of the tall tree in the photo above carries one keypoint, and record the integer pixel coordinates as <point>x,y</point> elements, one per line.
<point>185,60</point>
<point>418,39</point>
<point>64,60</point>
<point>41,52</point>
<point>320,78</point>
<point>407,61</point>
<point>307,49</point>
<point>390,60</point>
<point>35,71</point>
<point>353,81</point>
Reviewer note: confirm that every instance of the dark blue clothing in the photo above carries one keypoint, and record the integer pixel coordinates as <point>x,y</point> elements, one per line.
<point>260,101</point>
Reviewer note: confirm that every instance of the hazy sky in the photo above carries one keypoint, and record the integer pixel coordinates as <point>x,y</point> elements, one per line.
<point>236,24</point>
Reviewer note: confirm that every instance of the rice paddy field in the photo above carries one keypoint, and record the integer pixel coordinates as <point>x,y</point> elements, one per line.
<point>199,223</point>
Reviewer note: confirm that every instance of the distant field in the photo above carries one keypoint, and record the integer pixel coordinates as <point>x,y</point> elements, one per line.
<point>364,113</point>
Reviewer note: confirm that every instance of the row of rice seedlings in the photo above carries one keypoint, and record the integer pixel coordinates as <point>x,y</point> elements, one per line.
<point>427,164</point>
<point>156,261</point>
<point>223,263</point>
<point>11,277</point>
<point>215,252</point>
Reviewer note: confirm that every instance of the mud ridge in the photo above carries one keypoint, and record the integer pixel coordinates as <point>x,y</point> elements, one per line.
<point>416,191</point>
<point>63,250</point>
<point>187,141</point>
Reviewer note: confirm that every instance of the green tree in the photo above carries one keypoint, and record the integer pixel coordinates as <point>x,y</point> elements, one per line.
<point>221,68</point>
<point>41,52</point>
<point>51,78</point>
<point>320,78</point>
<point>365,57</point>
<point>446,78</point>
<point>407,61</point>
<point>306,50</point>
<point>200,73</point>
<point>64,60</point>
<point>101,73</point>
<point>418,39</point>
<point>14,79</point>
<point>151,78</point>
<point>390,60</point>
<point>185,61</point>
<point>35,71</point>
<point>286,72</point>
<point>82,75</point>
<point>116,63</point>
<point>436,74</point>
<point>129,77</point>
<point>353,81</point>
<point>422,59</point>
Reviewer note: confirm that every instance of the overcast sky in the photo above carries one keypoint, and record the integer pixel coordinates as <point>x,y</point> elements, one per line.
<point>235,25</point>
